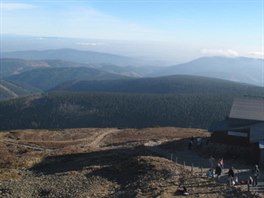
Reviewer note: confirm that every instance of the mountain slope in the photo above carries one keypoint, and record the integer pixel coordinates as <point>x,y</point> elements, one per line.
<point>47,78</point>
<point>13,90</point>
<point>168,84</point>
<point>182,106</point>
<point>12,66</point>
<point>240,69</point>
<point>88,57</point>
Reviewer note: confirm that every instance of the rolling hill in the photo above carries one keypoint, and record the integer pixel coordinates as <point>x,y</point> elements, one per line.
<point>47,78</point>
<point>10,90</point>
<point>12,66</point>
<point>194,102</point>
<point>238,69</point>
<point>168,84</point>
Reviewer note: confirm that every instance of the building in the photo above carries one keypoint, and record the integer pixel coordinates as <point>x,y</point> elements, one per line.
<point>243,127</point>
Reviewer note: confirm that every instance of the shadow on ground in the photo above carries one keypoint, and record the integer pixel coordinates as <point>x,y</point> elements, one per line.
<point>78,161</point>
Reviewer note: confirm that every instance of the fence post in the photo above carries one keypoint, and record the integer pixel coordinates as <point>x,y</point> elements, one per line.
<point>171,157</point>
<point>184,165</point>
<point>176,159</point>
<point>192,168</point>
<point>201,171</point>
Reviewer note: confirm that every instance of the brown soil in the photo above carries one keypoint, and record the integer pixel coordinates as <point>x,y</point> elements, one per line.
<point>100,163</point>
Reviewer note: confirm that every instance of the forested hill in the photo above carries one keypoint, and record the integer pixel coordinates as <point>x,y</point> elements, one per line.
<point>182,101</point>
<point>168,84</point>
<point>46,78</point>
<point>70,110</point>
<point>13,90</point>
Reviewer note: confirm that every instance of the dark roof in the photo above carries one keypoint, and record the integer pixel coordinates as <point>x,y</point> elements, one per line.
<point>245,112</point>
<point>248,109</point>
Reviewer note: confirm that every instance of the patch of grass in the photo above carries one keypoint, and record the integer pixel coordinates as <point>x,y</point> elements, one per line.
<point>7,174</point>
<point>31,161</point>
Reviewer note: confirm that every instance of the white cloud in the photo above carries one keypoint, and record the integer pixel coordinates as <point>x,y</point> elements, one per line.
<point>220,52</point>
<point>15,6</point>
<point>258,54</point>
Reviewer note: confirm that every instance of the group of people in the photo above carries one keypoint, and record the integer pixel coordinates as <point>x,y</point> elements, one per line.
<point>218,169</point>
<point>232,178</point>
<point>253,180</point>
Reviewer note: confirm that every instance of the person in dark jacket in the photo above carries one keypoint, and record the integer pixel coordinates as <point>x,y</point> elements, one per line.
<point>218,171</point>
<point>231,176</point>
<point>256,173</point>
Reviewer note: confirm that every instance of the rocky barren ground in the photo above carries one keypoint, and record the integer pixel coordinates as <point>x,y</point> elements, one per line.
<point>100,163</point>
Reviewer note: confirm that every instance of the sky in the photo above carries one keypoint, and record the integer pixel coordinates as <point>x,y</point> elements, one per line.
<point>172,27</point>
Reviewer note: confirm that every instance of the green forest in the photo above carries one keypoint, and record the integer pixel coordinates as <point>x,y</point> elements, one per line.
<point>70,110</point>
<point>182,101</point>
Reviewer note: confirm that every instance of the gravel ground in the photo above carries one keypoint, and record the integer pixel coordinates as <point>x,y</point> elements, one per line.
<point>73,166</point>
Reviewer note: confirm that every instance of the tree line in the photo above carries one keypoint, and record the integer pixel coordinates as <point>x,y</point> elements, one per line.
<point>72,110</point>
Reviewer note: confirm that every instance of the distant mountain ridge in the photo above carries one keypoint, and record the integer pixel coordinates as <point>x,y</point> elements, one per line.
<point>238,69</point>
<point>73,55</point>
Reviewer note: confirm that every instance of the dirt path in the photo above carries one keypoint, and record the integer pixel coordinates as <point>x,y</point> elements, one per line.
<point>27,146</point>
<point>13,94</point>
<point>99,138</point>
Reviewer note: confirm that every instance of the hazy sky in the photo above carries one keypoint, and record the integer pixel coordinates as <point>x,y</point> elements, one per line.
<point>203,27</point>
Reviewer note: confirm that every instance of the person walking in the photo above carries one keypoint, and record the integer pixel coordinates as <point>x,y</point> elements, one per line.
<point>218,171</point>
<point>231,176</point>
<point>256,173</point>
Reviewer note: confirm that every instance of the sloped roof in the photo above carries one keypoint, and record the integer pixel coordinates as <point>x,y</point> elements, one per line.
<point>248,109</point>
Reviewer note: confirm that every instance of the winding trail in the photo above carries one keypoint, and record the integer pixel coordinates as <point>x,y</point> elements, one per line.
<point>91,142</point>
<point>99,138</point>
<point>13,94</point>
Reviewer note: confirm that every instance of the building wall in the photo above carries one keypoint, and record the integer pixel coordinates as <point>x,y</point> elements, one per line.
<point>254,156</point>
<point>261,161</point>
<point>257,133</point>
<point>249,153</point>
<point>224,138</point>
